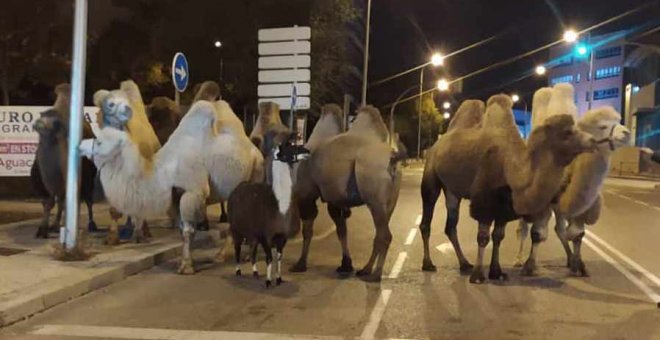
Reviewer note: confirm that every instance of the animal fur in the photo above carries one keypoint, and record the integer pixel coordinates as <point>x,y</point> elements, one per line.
<point>269,116</point>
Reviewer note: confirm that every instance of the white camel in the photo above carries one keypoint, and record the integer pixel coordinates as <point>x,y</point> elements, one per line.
<point>205,157</point>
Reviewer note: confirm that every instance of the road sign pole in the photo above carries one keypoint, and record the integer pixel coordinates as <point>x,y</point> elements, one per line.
<point>68,235</point>
<point>177,97</point>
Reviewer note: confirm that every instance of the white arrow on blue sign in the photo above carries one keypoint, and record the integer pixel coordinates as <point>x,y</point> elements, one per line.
<point>180,73</point>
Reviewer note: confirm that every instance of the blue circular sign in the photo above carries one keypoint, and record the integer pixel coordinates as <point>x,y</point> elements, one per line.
<point>180,73</point>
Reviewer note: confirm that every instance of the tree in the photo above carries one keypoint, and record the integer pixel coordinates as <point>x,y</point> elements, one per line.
<point>35,43</point>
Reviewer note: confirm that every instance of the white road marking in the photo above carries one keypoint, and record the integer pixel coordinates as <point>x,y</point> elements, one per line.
<point>317,237</point>
<point>369,331</point>
<point>625,258</point>
<point>398,264</point>
<point>158,334</point>
<point>445,248</point>
<point>630,276</point>
<point>411,236</point>
<point>418,221</point>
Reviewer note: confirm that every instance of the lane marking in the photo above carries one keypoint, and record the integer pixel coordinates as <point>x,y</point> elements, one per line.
<point>369,331</point>
<point>637,282</point>
<point>445,248</point>
<point>398,264</point>
<point>625,258</point>
<point>317,237</point>
<point>634,200</point>
<point>411,236</point>
<point>418,221</point>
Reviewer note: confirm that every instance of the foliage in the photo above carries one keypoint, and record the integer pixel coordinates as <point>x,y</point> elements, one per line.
<point>432,123</point>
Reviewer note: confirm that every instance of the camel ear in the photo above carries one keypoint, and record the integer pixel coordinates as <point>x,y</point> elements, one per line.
<point>100,96</point>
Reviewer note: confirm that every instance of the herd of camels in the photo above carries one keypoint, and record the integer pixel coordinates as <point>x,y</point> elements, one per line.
<point>152,161</point>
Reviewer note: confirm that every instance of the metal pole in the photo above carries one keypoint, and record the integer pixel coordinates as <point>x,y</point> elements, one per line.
<point>365,67</point>
<point>69,234</point>
<point>393,107</point>
<point>347,107</point>
<point>177,97</point>
<point>591,73</point>
<point>419,116</point>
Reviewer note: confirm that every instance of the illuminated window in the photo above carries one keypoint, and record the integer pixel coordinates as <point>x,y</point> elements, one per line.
<point>606,93</point>
<point>608,72</point>
<point>608,52</point>
<point>561,79</point>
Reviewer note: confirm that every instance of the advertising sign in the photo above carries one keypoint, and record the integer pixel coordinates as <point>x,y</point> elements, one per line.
<point>18,140</point>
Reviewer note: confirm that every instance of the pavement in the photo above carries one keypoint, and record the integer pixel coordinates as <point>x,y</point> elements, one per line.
<point>618,300</point>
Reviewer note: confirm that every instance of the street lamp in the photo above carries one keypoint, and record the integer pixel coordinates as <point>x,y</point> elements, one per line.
<point>540,70</point>
<point>515,98</point>
<point>443,84</point>
<point>570,36</point>
<point>446,105</point>
<point>437,59</point>
<point>446,115</point>
<point>218,45</point>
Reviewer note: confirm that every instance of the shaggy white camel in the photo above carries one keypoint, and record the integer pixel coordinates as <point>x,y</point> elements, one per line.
<point>203,157</point>
<point>580,200</point>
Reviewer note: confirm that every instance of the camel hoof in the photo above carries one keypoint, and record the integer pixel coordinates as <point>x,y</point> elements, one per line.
<point>517,263</point>
<point>529,268</point>
<point>255,275</point>
<point>466,268</point>
<point>186,268</point>
<point>363,272</point>
<point>92,228</point>
<point>497,274</point>
<point>346,266</point>
<point>238,272</point>
<point>477,276</point>
<point>268,284</point>
<point>279,281</point>
<point>579,269</point>
<point>299,267</point>
<point>42,232</point>
<point>428,266</point>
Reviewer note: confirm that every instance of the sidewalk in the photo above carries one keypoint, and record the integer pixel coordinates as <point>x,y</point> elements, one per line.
<point>636,183</point>
<point>32,281</point>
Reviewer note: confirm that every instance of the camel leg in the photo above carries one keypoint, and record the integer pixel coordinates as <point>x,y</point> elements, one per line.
<point>577,266</point>
<point>308,213</point>
<point>521,232</point>
<point>113,230</point>
<point>495,272</point>
<point>560,229</point>
<point>138,233</point>
<point>238,242</point>
<point>337,215</point>
<point>483,237</point>
<point>146,231</point>
<point>280,242</point>
<point>269,261</point>
<point>186,267</point>
<point>223,213</point>
<point>253,259</point>
<point>91,225</point>
<point>47,204</point>
<point>453,205</point>
<point>430,189</point>
<point>381,245</point>
<point>58,217</point>
<point>539,234</point>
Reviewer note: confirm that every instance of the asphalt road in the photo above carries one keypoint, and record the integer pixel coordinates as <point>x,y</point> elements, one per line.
<point>615,302</point>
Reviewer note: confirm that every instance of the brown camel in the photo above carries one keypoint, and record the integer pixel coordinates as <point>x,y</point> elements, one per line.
<point>351,169</point>
<point>504,178</point>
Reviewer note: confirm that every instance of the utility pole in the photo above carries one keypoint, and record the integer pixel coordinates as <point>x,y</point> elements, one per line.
<point>365,67</point>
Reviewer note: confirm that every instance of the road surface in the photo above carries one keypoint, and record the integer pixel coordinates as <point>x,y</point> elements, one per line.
<point>616,302</point>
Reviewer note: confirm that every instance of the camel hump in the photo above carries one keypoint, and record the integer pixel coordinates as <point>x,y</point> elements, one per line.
<point>562,101</point>
<point>369,122</point>
<point>469,115</point>
<point>540,105</point>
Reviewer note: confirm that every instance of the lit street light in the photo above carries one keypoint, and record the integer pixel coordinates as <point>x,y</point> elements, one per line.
<point>570,36</point>
<point>446,115</point>
<point>218,45</point>
<point>437,59</point>
<point>540,70</point>
<point>443,84</point>
<point>515,98</point>
<point>446,105</point>
<point>581,49</point>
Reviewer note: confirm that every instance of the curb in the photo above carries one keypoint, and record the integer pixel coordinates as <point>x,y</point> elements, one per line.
<point>66,288</point>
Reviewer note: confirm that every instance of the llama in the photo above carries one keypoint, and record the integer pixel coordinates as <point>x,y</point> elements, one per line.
<point>49,170</point>
<point>273,201</point>
<point>579,201</point>
<point>202,157</point>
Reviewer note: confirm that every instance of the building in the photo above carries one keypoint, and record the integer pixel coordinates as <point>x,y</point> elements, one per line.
<point>605,84</point>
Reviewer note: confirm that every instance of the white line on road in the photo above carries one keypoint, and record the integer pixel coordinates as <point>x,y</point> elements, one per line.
<point>445,248</point>
<point>369,331</point>
<point>625,258</point>
<point>158,334</point>
<point>637,282</point>
<point>418,221</point>
<point>398,264</point>
<point>411,236</point>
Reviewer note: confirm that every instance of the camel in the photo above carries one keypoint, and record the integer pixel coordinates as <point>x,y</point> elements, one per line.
<point>579,201</point>
<point>202,157</point>
<point>347,170</point>
<point>269,116</point>
<point>164,116</point>
<point>490,164</point>
<point>49,169</point>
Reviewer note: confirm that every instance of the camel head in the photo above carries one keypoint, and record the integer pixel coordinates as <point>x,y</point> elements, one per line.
<point>107,145</point>
<point>370,121</point>
<point>115,108</point>
<point>604,125</point>
<point>50,125</point>
<point>469,115</point>
<point>208,90</point>
<point>560,136</point>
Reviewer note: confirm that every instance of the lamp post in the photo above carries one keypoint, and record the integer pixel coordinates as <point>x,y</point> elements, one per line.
<point>396,102</point>
<point>436,60</point>
<point>365,65</point>
<point>218,45</point>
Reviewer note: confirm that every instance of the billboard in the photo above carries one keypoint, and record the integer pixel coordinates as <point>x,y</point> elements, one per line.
<point>18,140</point>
